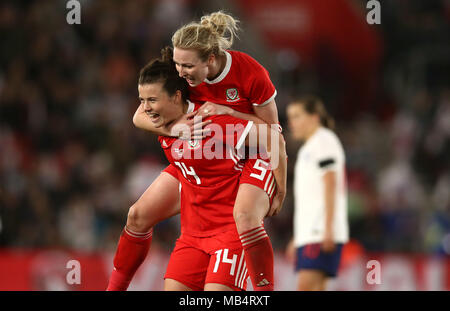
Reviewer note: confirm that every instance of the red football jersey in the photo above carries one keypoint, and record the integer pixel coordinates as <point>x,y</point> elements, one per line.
<point>209,172</point>
<point>243,83</point>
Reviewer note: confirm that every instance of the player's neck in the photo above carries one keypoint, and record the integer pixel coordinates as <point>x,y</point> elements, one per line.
<point>183,111</point>
<point>185,107</point>
<point>217,67</point>
<point>312,131</point>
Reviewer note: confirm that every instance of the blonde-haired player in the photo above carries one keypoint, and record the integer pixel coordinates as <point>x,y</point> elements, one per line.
<point>234,79</point>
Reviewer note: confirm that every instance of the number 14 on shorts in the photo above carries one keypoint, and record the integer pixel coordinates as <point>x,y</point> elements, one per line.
<point>224,259</point>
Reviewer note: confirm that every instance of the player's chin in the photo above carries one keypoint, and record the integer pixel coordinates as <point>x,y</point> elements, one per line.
<point>192,83</point>
<point>159,123</point>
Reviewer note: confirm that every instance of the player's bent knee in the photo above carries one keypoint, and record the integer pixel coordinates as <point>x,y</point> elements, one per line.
<point>246,221</point>
<point>137,221</point>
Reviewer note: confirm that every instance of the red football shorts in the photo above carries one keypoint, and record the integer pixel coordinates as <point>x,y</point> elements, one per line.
<point>256,172</point>
<point>196,261</point>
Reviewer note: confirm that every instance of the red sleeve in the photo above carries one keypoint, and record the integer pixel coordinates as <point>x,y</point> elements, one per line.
<point>262,90</point>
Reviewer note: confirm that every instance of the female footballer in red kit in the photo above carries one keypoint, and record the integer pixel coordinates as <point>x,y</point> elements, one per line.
<point>243,89</point>
<point>209,254</point>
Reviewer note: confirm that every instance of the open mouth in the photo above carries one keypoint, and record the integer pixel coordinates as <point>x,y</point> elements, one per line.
<point>154,117</point>
<point>189,80</point>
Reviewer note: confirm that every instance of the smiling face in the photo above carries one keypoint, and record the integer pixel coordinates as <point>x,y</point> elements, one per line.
<point>301,123</point>
<point>190,66</point>
<point>159,106</point>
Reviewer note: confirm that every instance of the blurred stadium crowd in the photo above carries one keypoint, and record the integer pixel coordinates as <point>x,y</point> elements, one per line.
<point>72,163</point>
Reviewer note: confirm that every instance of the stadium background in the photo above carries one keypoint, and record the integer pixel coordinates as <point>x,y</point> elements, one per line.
<point>71,161</point>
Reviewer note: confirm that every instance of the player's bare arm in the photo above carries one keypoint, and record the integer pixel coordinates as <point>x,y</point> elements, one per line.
<point>276,150</point>
<point>142,120</point>
<point>268,113</point>
<point>329,181</point>
<point>210,108</point>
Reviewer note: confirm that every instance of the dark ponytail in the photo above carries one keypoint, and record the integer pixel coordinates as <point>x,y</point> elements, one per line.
<point>163,70</point>
<point>167,55</point>
<point>327,121</point>
<point>314,105</point>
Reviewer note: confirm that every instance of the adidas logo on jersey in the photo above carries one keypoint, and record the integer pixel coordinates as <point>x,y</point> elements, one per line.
<point>264,282</point>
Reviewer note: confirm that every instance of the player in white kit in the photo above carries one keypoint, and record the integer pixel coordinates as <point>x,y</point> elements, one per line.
<point>320,195</point>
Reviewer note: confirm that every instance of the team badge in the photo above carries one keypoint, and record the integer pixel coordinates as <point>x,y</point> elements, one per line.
<point>179,152</point>
<point>193,144</point>
<point>232,95</point>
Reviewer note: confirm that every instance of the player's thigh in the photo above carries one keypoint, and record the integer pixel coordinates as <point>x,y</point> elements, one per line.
<point>310,280</point>
<point>251,206</point>
<point>159,202</point>
<point>217,287</point>
<point>174,285</point>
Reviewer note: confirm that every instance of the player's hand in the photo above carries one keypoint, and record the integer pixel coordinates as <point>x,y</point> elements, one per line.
<point>190,126</point>
<point>277,203</point>
<point>210,109</point>
<point>328,244</point>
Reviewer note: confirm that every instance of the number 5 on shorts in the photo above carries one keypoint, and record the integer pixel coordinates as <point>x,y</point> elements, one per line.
<point>225,259</point>
<point>260,168</point>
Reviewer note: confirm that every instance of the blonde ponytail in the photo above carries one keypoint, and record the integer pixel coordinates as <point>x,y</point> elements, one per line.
<point>214,34</point>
